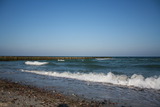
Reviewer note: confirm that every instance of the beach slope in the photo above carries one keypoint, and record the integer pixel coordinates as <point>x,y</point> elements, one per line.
<point>18,95</point>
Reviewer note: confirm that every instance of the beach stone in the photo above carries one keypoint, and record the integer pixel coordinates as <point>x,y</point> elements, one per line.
<point>62,105</point>
<point>3,104</point>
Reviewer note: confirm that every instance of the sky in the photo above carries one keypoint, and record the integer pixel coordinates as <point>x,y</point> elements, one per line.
<point>79,28</point>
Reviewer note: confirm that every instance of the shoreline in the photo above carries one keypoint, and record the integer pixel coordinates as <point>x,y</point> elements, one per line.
<point>78,83</point>
<point>16,94</point>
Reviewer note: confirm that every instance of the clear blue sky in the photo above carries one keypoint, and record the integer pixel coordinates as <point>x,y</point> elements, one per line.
<point>80,27</point>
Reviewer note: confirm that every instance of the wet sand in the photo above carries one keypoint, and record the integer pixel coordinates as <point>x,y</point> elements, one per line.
<point>18,95</point>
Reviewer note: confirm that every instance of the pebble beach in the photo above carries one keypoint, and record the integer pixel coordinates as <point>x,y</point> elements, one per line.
<point>17,95</point>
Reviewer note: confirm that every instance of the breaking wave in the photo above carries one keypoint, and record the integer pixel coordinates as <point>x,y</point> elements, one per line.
<point>135,80</point>
<point>102,59</point>
<point>61,60</point>
<point>35,63</point>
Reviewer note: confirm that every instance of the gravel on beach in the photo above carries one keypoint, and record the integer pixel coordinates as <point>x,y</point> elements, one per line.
<point>17,95</point>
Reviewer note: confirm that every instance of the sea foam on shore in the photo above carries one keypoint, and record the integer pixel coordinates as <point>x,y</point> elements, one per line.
<point>135,80</point>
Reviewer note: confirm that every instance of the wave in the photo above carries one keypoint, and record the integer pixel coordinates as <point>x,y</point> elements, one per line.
<point>61,60</point>
<point>135,80</point>
<point>35,63</point>
<point>102,59</point>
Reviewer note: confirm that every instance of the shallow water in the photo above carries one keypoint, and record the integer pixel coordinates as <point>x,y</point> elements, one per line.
<point>135,81</point>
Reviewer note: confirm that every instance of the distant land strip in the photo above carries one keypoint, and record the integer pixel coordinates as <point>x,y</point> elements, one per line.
<point>15,58</point>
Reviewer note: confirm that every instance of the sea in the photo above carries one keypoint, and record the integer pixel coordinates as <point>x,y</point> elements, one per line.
<point>131,81</point>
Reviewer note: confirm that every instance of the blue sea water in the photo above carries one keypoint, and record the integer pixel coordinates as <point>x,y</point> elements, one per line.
<point>123,79</point>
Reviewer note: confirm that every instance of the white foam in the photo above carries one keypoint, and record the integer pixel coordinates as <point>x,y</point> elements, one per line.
<point>61,60</point>
<point>35,63</point>
<point>134,80</point>
<point>102,58</point>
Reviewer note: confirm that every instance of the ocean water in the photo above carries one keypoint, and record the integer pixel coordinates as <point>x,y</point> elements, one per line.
<point>132,80</point>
